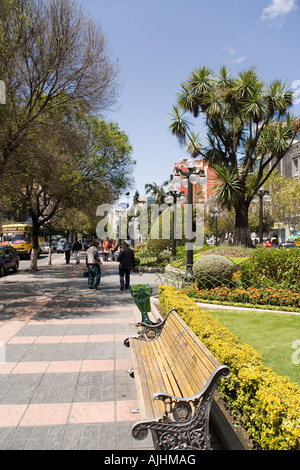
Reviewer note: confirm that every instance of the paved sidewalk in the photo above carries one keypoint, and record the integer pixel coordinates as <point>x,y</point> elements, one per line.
<point>63,367</point>
<point>63,375</point>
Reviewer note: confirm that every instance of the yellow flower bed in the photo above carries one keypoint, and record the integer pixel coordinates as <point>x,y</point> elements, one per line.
<point>268,404</point>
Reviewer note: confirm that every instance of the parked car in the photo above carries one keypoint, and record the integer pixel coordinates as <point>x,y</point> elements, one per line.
<point>45,248</point>
<point>60,245</point>
<point>288,245</point>
<point>9,259</point>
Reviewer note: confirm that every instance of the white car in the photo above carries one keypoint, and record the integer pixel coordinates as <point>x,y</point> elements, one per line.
<point>60,245</point>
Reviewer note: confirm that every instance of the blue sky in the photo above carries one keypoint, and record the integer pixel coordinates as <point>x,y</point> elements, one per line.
<point>158,43</point>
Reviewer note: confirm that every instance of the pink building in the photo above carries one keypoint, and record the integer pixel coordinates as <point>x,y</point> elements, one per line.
<point>203,192</point>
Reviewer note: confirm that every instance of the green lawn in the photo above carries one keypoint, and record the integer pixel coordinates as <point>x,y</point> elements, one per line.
<point>272,334</point>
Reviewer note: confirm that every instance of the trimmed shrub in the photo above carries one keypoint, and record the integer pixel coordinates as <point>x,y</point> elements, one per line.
<point>164,255</point>
<point>268,405</point>
<point>269,266</point>
<point>232,251</point>
<point>212,270</point>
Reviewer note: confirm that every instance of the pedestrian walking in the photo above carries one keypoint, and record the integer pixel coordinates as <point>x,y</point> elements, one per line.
<point>67,249</point>
<point>106,249</point>
<point>114,250</point>
<point>77,247</point>
<point>93,264</point>
<point>127,263</point>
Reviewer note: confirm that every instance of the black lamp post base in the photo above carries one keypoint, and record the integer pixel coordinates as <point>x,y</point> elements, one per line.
<point>188,280</point>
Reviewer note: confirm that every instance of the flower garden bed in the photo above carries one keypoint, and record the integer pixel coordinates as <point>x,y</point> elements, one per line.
<point>267,297</point>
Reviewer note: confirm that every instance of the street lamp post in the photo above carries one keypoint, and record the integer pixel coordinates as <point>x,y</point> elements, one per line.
<point>174,196</point>
<point>193,177</point>
<point>216,213</point>
<point>261,193</point>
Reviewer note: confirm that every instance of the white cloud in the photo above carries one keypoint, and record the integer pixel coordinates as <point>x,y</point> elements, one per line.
<point>278,8</point>
<point>230,50</point>
<point>238,60</point>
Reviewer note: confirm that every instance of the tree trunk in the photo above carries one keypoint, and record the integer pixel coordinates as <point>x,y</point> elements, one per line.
<point>50,250</point>
<point>35,245</point>
<point>242,235</point>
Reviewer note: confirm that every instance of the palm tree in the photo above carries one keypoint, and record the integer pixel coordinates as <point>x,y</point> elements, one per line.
<point>136,197</point>
<point>157,191</point>
<point>249,130</point>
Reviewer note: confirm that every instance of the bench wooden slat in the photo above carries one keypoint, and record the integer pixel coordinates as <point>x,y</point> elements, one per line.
<point>146,384</point>
<point>197,346</point>
<point>199,354</point>
<point>166,369</point>
<point>157,381</point>
<point>199,368</point>
<point>185,380</point>
<point>141,391</point>
<point>179,369</point>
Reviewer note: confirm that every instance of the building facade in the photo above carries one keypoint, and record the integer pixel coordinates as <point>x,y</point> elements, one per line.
<point>200,193</point>
<point>290,164</point>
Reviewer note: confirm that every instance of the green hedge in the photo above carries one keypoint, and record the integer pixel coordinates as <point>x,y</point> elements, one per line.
<point>267,404</point>
<point>268,266</point>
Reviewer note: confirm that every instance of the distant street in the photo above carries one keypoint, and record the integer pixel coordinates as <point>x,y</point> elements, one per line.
<point>55,278</point>
<point>43,260</point>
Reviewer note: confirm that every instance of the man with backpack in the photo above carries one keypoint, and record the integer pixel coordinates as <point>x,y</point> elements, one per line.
<point>93,264</point>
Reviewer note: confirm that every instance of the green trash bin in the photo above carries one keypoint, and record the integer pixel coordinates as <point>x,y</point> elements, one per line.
<point>141,294</point>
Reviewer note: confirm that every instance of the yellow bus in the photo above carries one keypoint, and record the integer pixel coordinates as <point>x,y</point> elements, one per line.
<point>19,236</point>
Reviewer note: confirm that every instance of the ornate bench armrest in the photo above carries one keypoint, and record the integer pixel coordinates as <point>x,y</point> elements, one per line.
<point>185,422</point>
<point>149,332</point>
<point>211,384</point>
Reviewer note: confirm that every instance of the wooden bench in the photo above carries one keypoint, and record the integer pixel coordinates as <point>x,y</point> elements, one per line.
<point>176,377</point>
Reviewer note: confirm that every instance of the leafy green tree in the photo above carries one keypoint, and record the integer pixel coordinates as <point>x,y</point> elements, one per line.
<point>105,158</point>
<point>51,55</point>
<point>285,199</point>
<point>69,171</point>
<point>249,130</point>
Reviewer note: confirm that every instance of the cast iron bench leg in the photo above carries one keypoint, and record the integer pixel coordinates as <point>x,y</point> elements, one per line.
<point>185,423</point>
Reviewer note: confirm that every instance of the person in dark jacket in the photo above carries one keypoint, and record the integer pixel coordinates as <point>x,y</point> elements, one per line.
<point>67,249</point>
<point>76,250</point>
<point>127,263</point>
